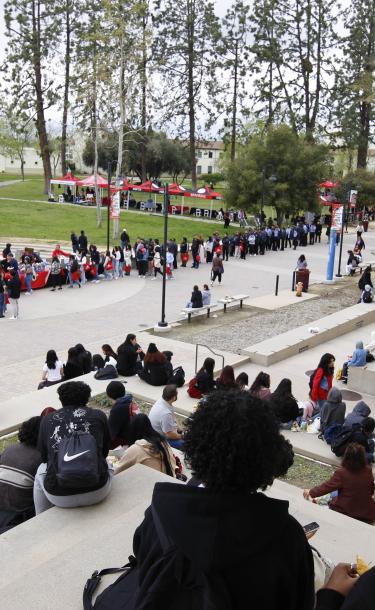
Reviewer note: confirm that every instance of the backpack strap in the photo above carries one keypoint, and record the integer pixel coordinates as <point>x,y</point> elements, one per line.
<point>93,582</point>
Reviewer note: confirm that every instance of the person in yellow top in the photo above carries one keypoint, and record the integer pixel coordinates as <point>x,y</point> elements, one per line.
<point>147,447</point>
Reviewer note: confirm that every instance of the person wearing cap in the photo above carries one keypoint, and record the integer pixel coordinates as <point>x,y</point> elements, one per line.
<point>119,417</point>
<point>124,238</point>
<point>366,296</point>
<point>154,369</point>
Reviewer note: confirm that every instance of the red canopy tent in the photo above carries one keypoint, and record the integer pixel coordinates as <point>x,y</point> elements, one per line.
<point>147,187</point>
<point>90,181</point>
<point>68,180</point>
<point>326,194</point>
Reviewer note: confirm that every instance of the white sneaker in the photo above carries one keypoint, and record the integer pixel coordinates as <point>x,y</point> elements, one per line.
<point>153,279</point>
<point>12,318</point>
<point>97,281</point>
<point>28,294</point>
<point>211,284</point>
<point>116,278</point>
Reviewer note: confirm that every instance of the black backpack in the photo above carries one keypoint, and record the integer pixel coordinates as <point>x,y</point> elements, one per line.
<point>178,377</point>
<point>77,461</point>
<point>311,380</point>
<point>108,372</point>
<point>340,442</point>
<point>367,297</point>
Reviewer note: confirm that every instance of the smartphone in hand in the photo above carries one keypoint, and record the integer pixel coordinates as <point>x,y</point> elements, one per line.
<point>311,527</point>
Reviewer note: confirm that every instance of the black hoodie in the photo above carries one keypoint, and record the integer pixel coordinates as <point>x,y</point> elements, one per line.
<point>201,550</point>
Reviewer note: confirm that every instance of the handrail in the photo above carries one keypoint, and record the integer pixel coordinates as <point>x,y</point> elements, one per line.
<point>197,345</point>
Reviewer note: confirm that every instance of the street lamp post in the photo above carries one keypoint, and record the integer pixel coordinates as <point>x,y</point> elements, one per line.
<point>163,323</point>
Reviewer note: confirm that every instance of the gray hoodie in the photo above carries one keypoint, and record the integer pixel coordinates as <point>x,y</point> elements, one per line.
<point>360,411</point>
<point>333,409</point>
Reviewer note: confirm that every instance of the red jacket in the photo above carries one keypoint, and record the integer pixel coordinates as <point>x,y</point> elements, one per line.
<point>318,393</point>
<point>355,491</point>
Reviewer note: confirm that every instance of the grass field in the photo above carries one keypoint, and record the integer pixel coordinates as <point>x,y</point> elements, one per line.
<point>31,218</point>
<point>56,222</point>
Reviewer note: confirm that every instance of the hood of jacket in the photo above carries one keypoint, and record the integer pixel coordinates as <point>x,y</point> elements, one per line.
<point>360,411</point>
<point>334,396</point>
<point>211,533</point>
<point>359,345</point>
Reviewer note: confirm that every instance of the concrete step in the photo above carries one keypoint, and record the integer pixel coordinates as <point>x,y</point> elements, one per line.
<point>66,546</point>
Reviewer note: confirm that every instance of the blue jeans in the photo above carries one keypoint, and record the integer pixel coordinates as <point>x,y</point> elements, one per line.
<point>2,304</point>
<point>176,444</point>
<point>28,280</point>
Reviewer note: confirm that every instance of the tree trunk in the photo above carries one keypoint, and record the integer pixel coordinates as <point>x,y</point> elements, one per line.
<point>144,99</point>
<point>66,88</point>
<point>365,106</point>
<point>234,106</point>
<point>279,215</point>
<point>40,117</point>
<point>191,101</point>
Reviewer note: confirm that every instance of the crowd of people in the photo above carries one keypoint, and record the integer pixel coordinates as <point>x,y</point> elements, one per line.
<point>235,448</point>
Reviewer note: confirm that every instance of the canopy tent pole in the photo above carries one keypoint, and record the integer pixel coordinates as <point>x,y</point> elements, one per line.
<point>211,208</point>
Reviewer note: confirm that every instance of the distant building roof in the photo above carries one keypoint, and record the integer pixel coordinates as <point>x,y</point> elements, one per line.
<point>211,145</point>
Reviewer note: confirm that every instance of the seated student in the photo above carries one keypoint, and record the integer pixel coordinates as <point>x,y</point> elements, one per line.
<point>354,484</point>
<point>168,365</point>
<point>351,263</point>
<point>332,411</point>
<point>360,411</point>
<point>80,480</point>
<point>154,369</point>
<point>163,420</point>
<point>120,414</point>
<point>363,434</point>
<point>242,380</point>
<point>147,447</point>
<point>84,358</point>
<point>73,367</point>
<point>97,362</point>
<point>283,403</point>
<point>358,359</point>
<point>53,370</point>
<point>204,381</point>
<point>18,465</point>
<point>260,387</point>
<point>206,295</point>
<point>226,380</point>
<point>195,299</point>
<point>110,357</point>
<point>366,296</point>
<point>129,356</point>
<point>233,461</point>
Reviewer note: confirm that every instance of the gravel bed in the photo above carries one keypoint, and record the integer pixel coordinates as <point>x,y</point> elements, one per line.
<point>233,334</point>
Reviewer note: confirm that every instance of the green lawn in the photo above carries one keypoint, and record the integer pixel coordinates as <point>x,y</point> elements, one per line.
<point>56,222</point>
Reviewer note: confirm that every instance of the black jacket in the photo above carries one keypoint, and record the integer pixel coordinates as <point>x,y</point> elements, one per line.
<point>205,383</point>
<point>85,360</point>
<point>154,374</point>
<point>196,298</point>
<point>14,287</point>
<point>56,426</point>
<point>119,419</point>
<point>221,550</point>
<point>126,360</point>
<point>285,407</point>
<point>72,369</point>
<point>82,242</point>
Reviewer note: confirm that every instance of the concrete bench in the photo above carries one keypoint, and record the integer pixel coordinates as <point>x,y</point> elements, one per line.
<point>361,266</point>
<point>300,339</point>
<point>237,298</point>
<point>198,310</point>
<point>59,550</point>
<point>362,378</point>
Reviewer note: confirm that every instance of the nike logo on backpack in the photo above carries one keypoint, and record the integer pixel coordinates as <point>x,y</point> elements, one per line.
<point>69,458</point>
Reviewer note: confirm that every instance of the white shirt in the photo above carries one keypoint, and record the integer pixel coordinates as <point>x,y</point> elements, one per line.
<point>53,374</point>
<point>111,361</point>
<point>162,418</point>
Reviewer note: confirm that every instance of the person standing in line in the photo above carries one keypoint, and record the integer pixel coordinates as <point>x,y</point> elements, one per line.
<point>2,293</point>
<point>184,250</point>
<point>225,247</point>
<point>74,240</point>
<point>14,293</point>
<point>28,270</point>
<point>157,263</point>
<point>55,273</point>
<point>124,238</point>
<point>170,259</point>
<point>82,242</point>
<point>217,269</point>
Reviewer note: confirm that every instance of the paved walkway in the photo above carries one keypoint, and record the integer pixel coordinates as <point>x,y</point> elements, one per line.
<point>106,312</point>
<point>10,182</point>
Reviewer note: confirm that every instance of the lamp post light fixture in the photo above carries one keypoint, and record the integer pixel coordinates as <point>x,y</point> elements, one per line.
<point>163,326</point>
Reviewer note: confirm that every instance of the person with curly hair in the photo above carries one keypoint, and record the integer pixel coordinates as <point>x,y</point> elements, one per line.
<point>224,544</point>
<point>18,465</point>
